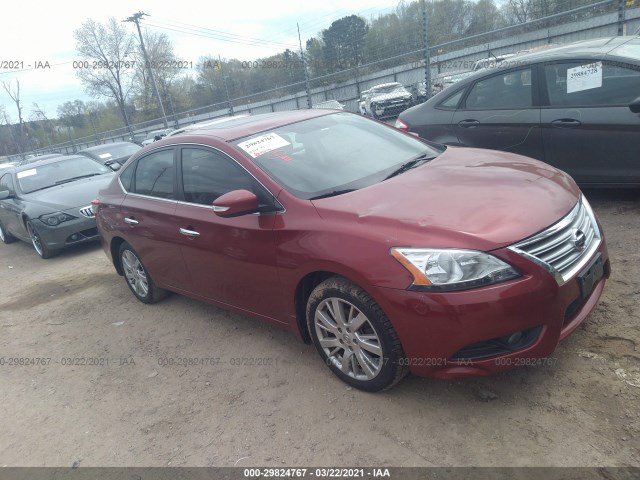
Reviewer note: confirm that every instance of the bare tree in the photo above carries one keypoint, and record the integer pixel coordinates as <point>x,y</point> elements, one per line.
<point>110,48</point>
<point>15,96</point>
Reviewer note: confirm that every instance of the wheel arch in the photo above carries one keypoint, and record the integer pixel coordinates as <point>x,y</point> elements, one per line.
<point>114,248</point>
<point>307,284</point>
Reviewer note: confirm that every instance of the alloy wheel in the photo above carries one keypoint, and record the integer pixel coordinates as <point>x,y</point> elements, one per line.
<point>135,273</point>
<point>348,339</point>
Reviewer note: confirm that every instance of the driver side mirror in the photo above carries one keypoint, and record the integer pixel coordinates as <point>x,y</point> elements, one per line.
<point>5,194</point>
<point>635,105</point>
<point>115,166</point>
<point>235,204</point>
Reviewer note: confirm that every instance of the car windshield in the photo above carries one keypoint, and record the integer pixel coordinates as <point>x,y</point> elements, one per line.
<point>51,174</point>
<point>106,152</point>
<point>332,154</point>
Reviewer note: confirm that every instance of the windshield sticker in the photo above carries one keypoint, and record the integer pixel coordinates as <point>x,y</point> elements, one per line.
<point>26,173</point>
<point>584,77</point>
<point>105,155</point>
<point>263,144</point>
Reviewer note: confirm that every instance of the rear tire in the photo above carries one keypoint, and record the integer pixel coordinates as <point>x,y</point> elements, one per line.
<point>138,279</point>
<point>5,236</point>
<point>354,337</point>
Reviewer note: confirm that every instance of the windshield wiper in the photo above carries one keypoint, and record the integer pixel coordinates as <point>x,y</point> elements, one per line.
<point>73,179</point>
<point>333,194</point>
<point>414,162</point>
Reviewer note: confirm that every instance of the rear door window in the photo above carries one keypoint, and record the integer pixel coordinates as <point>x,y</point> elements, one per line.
<point>504,91</point>
<point>591,83</point>
<point>155,175</point>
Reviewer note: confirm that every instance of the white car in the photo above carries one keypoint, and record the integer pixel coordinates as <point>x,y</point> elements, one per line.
<point>387,99</point>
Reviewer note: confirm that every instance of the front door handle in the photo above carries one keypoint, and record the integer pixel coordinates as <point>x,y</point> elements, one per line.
<point>566,123</point>
<point>189,233</point>
<point>130,221</point>
<point>469,123</point>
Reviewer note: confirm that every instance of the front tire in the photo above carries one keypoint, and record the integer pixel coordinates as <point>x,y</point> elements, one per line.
<point>373,111</point>
<point>138,279</point>
<point>5,236</point>
<point>354,337</point>
<point>38,243</point>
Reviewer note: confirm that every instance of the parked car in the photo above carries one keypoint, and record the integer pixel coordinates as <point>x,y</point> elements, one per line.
<point>48,204</point>
<point>388,253</point>
<point>137,138</point>
<point>206,123</point>
<point>331,104</point>
<point>387,99</point>
<point>362,102</point>
<point>491,62</point>
<point>156,135</point>
<point>575,107</point>
<point>111,154</point>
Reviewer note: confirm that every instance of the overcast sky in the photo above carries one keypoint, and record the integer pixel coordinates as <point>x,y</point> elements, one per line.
<point>36,31</point>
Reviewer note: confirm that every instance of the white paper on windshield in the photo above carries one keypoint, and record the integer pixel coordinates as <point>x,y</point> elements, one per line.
<point>263,144</point>
<point>584,77</point>
<point>26,173</point>
<point>105,155</point>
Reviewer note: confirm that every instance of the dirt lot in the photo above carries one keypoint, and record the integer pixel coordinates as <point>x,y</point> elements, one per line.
<point>133,411</point>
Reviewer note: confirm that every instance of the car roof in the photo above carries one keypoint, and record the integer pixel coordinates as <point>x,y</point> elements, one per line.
<point>105,146</point>
<point>586,48</point>
<point>385,85</point>
<point>239,127</point>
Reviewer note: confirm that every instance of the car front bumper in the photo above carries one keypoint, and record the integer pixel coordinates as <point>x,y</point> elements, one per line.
<point>461,334</point>
<point>72,232</point>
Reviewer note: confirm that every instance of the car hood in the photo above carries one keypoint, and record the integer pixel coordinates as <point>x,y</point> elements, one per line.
<point>68,195</point>
<point>390,95</point>
<point>465,198</point>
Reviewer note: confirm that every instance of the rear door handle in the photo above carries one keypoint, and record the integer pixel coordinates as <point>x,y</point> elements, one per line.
<point>131,221</point>
<point>189,233</point>
<point>469,123</point>
<point>566,123</point>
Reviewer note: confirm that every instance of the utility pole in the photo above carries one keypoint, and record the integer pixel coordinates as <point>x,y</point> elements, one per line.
<point>226,87</point>
<point>306,70</point>
<point>135,18</point>
<point>427,59</point>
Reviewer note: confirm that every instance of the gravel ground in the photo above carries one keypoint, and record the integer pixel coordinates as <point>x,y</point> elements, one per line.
<point>123,407</point>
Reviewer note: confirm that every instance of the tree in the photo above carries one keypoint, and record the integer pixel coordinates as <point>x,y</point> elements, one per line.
<point>165,68</point>
<point>73,113</point>
<point>20,138</point>
<point>344,43</point>
<point>485,17</point>
<point>113,48</point>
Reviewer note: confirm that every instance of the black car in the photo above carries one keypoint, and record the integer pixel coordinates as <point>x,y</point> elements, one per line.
<point>48,204</point>
<point>111,154</point>
<point>576,107</point>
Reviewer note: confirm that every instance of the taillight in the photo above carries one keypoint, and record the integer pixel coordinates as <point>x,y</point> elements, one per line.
<point>400,125</point>
<point>95,204</point>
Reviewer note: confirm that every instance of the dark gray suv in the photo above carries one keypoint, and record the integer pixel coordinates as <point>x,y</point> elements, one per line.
<point>576,107</point>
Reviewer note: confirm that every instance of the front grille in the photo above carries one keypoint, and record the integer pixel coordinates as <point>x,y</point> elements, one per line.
<point>565,247</point>
<point>87,212</point>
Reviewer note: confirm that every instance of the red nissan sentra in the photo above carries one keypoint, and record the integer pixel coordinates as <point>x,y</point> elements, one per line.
<point>388,253</point>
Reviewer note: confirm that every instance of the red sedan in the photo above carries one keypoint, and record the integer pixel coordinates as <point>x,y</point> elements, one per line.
<point>390,254</point>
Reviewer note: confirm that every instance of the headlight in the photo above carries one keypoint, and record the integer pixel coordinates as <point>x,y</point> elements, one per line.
<point>449,269</point>
<point>53,219</point>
